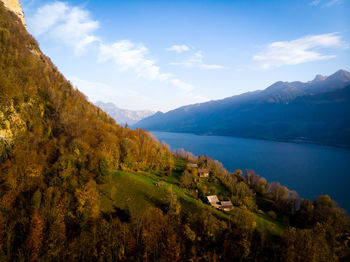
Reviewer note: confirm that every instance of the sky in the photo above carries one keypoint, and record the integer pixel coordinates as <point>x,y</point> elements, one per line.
<point>160,55</point>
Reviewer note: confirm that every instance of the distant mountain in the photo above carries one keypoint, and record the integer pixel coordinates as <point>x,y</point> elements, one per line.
<point>316,111</point>
<point>123,116</point>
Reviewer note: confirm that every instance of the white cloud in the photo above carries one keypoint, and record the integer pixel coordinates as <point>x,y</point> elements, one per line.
<point>297,51</point>
<point>315,2</point>
<point>182,85</point>
<point>61,22</point>
<point>196,60</point>
<point>178,48</point>
<point>129,56</point>
<point>327,4</point>
<point>333,2</point>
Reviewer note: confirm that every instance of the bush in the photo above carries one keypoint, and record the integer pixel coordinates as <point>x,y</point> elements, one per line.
<point>272,214</point>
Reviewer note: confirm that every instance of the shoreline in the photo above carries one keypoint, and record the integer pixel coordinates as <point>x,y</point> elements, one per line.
<point>293,141</point>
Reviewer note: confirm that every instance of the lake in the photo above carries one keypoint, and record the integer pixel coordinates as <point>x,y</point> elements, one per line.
<point>311,170</point>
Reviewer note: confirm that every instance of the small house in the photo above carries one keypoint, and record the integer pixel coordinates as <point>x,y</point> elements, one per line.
<point>226,205</point>
<point>214,201</point>
<point>203,172</point>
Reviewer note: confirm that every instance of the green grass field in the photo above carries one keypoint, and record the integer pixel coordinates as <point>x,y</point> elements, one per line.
<point>134,192</point>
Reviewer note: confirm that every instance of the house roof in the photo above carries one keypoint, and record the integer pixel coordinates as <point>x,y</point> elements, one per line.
<point>203,170</point>
<point>213,199</point>
<point>226,204</point>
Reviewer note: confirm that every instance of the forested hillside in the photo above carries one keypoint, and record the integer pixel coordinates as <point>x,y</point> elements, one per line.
<point>75,186</point>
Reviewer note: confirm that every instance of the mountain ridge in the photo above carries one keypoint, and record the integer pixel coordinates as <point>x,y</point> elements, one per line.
<point>225,117</point>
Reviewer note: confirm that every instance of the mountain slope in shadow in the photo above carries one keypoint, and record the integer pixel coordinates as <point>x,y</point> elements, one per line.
<point>311,112</point>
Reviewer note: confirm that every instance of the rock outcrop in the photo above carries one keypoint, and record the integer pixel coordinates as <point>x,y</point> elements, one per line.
<point>11,125</point>
<point>15,6</point>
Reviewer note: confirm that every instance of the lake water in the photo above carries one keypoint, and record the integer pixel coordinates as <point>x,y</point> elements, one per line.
<point>311,170</point>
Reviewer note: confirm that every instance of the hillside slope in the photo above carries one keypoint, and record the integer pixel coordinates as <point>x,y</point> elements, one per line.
<point>75,186</point>
<point>283,111</point>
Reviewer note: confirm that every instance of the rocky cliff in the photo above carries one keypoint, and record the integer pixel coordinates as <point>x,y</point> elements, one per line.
<point>15,6</point>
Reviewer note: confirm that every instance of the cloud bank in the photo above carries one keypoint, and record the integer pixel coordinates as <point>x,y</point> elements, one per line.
<point>68,24</point>
<point>297,51</point>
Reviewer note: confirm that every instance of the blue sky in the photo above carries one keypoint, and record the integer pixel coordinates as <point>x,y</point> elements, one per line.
<point>160,55</point>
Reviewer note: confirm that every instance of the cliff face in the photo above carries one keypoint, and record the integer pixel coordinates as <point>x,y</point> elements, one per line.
<point>15,6</point>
